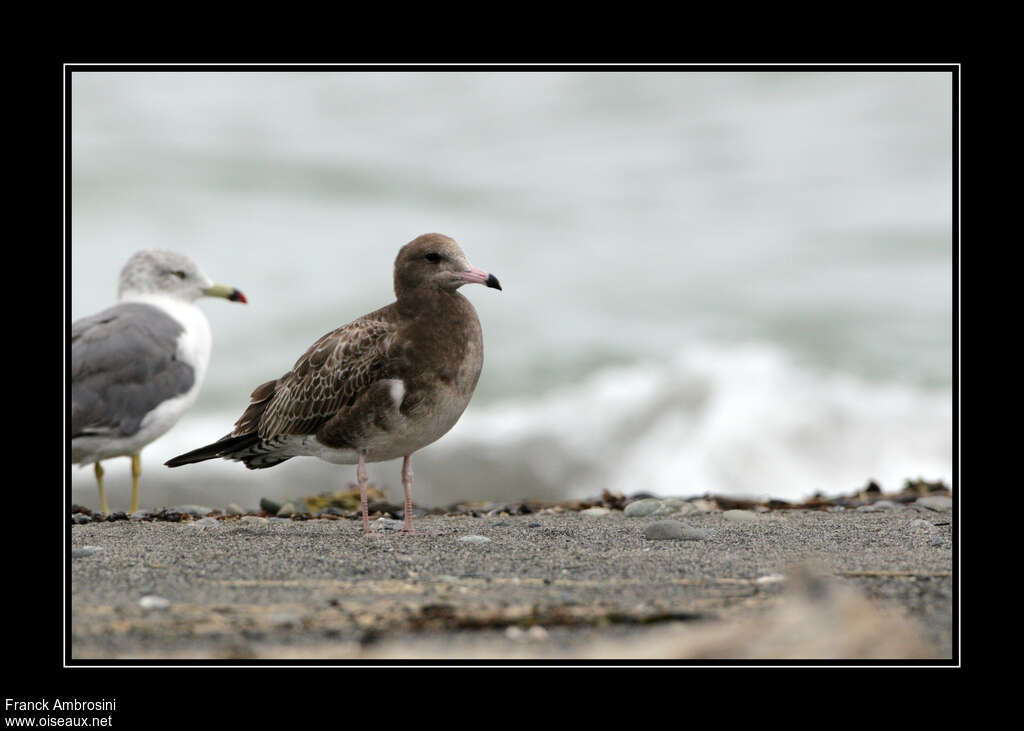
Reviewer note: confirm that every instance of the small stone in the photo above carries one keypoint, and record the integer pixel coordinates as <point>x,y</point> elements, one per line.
<point>705,506</point>
<point>254,520</point>
<point>85,551</point>
<point>475,539</point>
<point>154,602</point>
<point>741,516</point>
<point>877,506</point>
<point>922,525</point>
<point>269,505</point>
<point>204,523</point>
<point>938,503</point>
<point>537,633</point>
<point>383,523</point>
<point>770,579</point>
<point>80,518</point>
<point>199,511</point>
<point>286,509</point>
<point>235,509</point>
<point>279,521</point>
<point>595,512</point>
<point>140,515</point>
<point>672,507</point>
<point>514,633</point>
<point>673,530</point>
<point>641,508</point>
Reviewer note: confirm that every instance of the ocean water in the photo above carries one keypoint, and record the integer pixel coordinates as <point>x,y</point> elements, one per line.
<point>728,283</point>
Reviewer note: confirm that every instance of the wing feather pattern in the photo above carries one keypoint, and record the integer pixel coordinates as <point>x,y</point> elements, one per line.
<point>327,379</point>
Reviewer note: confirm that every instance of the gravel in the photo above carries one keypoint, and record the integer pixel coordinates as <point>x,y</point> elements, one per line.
<point>580,579</point>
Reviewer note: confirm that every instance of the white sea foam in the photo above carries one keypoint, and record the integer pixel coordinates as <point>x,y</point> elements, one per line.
<point>736,421</point>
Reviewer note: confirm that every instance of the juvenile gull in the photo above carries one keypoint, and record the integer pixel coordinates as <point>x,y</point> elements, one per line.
<point>378,388</point>
<point>137,367</point>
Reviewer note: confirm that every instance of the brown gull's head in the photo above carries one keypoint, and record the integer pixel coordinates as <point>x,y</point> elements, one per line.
<point>436,261</point>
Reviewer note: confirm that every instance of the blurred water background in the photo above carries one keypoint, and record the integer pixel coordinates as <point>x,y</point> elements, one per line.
<point>728,283</point>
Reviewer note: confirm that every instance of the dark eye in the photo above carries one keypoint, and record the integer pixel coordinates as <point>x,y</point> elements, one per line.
<point>432,257</point>
<point>179,274</point>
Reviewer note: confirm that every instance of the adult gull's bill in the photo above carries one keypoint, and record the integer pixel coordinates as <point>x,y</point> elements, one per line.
<point>137,367</point>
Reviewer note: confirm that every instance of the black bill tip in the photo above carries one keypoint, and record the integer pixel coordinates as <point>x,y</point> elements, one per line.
<point>492,281</point>
<point>237,296</point>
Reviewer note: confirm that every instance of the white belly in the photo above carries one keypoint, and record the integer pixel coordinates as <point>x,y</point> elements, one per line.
<point>405,435</point>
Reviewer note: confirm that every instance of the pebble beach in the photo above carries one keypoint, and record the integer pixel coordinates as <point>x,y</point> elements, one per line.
<point>639,579</point>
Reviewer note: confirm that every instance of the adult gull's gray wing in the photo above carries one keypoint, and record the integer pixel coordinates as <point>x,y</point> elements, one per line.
<point>123,365</point>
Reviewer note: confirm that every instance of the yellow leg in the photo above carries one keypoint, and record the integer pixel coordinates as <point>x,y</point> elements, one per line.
<point>99,482</point>
<point>136,471</point>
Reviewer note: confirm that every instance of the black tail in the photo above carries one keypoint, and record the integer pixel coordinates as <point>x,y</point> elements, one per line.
<point>226,447</point>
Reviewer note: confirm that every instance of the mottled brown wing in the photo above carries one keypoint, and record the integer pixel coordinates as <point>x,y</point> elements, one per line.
<point>326,379</point>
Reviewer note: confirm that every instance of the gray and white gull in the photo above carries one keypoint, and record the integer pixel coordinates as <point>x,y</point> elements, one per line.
<point>381,387</point>
<point>137,367</point>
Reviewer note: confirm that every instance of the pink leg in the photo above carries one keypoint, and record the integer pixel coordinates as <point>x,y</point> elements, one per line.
<point>362,478</point>
<point>407,484</point>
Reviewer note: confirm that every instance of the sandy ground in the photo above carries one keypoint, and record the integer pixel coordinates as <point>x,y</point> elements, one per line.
<point>563,586</point>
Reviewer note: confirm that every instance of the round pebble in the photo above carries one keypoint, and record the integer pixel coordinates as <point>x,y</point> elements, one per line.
<point>537,633</point>
<point>641,508</point>
<point>254,520</point>
<point>80,518</point>
<point>387,524</point>
<point>286,509</point>
<point>877,506</point>
<point>199,511</point>
<point>595,512</point>
<point>673,530</point>
<point>235,509</point>
<point>154,602</point>
<point>475,539</point>
<point>204,523</point>
<point>938,503</point>
<point>85,551</point>
<point>671,507</point>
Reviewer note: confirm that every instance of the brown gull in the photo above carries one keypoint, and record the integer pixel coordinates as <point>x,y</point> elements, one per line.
<point>381,387</point>
<point>138,366</point>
